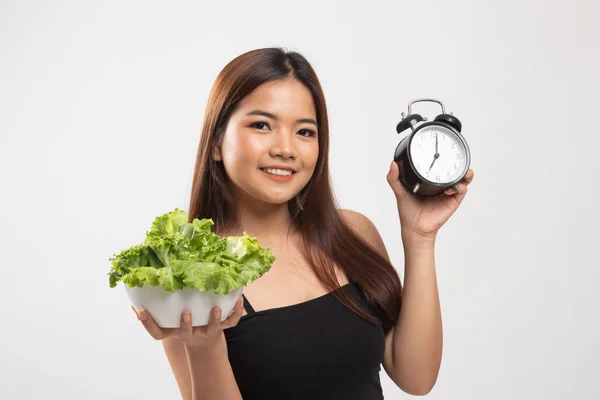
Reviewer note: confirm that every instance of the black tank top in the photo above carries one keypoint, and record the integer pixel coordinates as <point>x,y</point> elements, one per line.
<point>318,349</point>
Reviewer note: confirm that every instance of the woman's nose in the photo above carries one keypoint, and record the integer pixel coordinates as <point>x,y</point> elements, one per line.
<point>283,145</point>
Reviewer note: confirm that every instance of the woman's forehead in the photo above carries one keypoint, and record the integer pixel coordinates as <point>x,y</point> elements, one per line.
<point>285,100</point>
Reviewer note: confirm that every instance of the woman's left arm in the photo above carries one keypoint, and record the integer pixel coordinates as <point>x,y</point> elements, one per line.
<point>414,345</point>
<point>413,349</point>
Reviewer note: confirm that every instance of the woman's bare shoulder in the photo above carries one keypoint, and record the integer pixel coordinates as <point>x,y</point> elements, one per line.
<point>365,228</point>
<point>361,224</point>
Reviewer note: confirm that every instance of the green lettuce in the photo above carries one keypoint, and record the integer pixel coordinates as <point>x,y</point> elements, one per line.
<point>177,254</point>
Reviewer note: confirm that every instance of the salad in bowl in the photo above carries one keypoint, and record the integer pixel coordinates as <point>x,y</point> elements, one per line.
<point>183,265</point>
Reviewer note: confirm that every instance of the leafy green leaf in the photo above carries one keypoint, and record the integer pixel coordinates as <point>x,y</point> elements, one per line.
<point>176,254</point>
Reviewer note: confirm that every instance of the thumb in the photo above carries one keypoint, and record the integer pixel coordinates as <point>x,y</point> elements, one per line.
<point>393,178</point>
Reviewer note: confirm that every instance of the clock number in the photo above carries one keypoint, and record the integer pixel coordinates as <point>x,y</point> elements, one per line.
<point>448,175</point>
<point>437,178</point>
<point>455,167</point>
<point>459,156</point>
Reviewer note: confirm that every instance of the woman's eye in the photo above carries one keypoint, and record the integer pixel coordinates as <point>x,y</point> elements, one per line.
<point>303,132</point>
<point>256,124</point>
<point>309,132</point>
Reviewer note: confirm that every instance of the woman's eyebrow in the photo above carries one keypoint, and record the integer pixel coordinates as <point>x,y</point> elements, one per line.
<point>274,117</point>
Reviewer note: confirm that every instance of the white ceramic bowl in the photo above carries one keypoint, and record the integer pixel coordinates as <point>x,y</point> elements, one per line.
<point>166,307</point>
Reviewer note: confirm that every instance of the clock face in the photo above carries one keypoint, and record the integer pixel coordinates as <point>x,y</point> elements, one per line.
<point>438,154</point>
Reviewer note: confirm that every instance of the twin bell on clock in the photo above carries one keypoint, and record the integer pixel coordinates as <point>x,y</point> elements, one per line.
<point>434,156</point>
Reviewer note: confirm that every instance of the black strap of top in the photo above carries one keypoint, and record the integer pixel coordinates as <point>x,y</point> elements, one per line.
<point>247,306</point>
<point>250,309</point>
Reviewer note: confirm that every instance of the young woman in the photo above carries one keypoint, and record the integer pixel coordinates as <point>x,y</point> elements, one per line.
<point>328,314</point>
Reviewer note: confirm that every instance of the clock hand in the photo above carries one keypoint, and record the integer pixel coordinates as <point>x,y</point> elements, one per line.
<point>433,162</point>
<point>436,155</point>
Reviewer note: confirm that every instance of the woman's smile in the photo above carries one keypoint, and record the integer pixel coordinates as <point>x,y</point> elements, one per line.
<point>278,175</point>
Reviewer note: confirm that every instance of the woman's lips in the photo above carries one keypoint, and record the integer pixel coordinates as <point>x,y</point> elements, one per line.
<point>278,178</point>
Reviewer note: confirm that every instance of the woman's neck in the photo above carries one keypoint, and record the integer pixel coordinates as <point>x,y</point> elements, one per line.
<point>271,224</point>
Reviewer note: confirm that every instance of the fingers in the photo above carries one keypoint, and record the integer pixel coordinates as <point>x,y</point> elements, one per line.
<point>186,330</point>
<point>185,326</point>
<point>393,178</point>
<point>153,329</point>
<point>136,313</point>
<point>468,178</point>
<point>214,323</point>
<point>450,191</point>
<point>462,190</point>
<point>239,305</point>
<point>235,316</point>
<point>462,185</point>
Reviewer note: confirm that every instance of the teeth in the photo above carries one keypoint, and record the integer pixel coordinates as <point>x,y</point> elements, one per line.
<point>281,172</point>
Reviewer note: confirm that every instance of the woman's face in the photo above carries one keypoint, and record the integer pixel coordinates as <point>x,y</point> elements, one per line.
<point>259,150</point>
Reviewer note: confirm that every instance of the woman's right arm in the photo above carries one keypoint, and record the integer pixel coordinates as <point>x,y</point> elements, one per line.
<point>177,356</point>
<point>211,374</point>
<point>198,355</point>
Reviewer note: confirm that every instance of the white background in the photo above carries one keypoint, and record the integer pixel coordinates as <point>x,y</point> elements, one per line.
<point>101,105</point>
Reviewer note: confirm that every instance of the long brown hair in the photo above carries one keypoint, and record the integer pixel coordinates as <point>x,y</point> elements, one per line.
<point>327,238</point>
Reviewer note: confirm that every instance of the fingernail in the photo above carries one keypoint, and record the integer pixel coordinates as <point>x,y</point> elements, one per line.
<point>136,313</point>
<point>186,318</point>
<point>392,166</point>
<point>143,315</point>
<point>217,313</point>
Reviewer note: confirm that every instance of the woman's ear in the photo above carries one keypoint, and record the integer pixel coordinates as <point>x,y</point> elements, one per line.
<point>217,154</point>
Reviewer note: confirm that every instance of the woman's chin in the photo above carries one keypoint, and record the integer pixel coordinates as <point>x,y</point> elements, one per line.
<point>272,196</point>
<point>276,199</point>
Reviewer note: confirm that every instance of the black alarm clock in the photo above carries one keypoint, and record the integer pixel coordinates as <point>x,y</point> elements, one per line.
<point>434,156</point>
